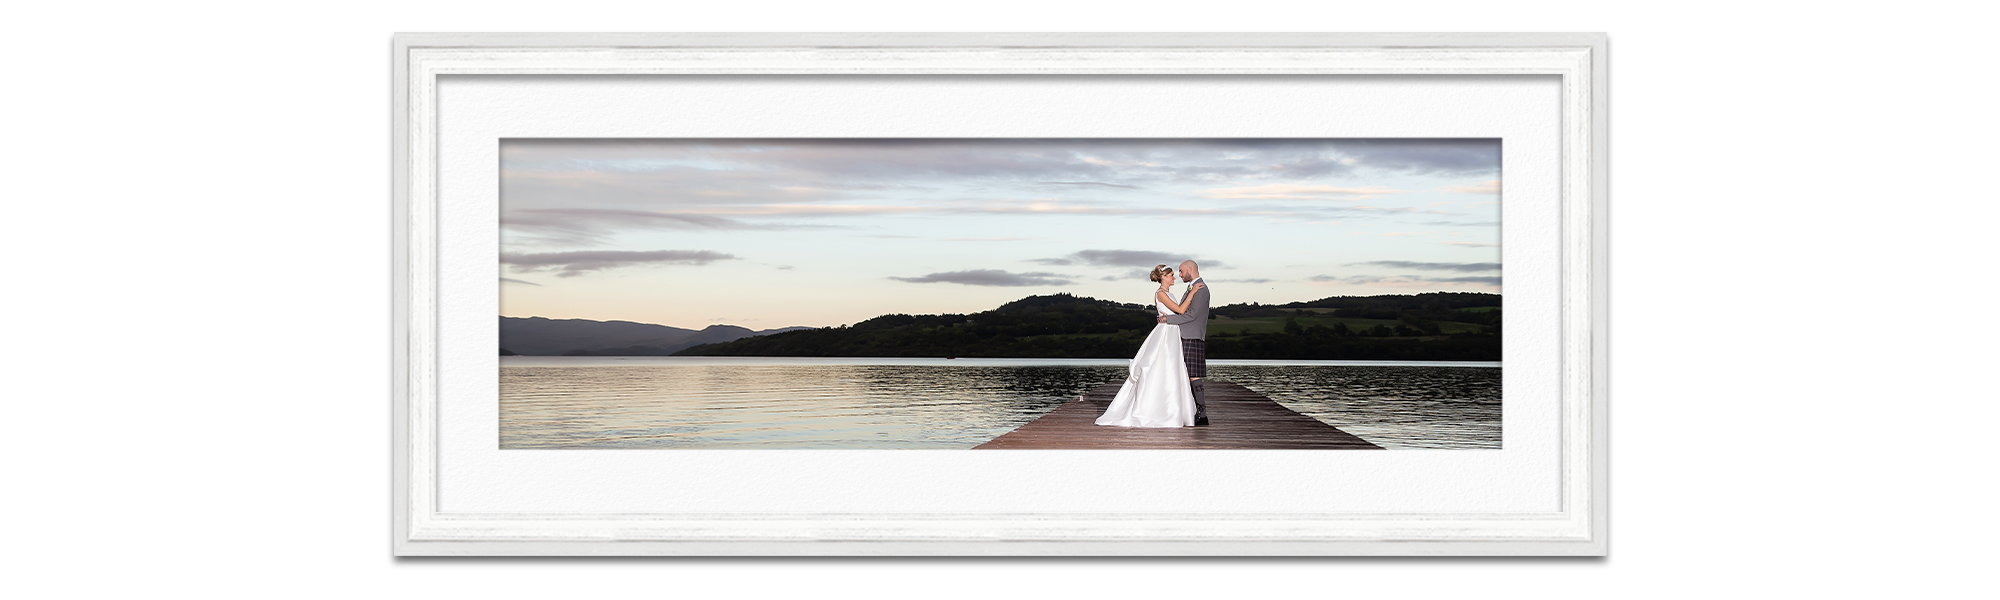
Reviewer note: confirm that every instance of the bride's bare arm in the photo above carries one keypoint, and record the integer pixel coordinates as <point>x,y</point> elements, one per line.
<point>1181,308</point>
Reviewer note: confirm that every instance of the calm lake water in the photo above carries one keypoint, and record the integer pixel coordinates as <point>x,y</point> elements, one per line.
<point>768,403</point>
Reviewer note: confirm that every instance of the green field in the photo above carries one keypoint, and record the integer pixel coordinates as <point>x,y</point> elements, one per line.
<point>1277,324</point>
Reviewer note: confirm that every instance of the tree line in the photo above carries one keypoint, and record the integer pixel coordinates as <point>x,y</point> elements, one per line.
<point>1068,326</point>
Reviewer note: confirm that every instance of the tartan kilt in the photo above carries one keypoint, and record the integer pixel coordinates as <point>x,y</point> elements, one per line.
<point>1195,352</point>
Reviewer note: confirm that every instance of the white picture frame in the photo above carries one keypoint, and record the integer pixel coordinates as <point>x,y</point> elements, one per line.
<point>1576,526</point>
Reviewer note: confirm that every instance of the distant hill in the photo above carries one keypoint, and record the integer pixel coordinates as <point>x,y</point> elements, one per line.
<point>538,336</point>
<point>1059,325</point>
<point>1387,306</point>
<point>1393,307</point>
<point>1392,327</point>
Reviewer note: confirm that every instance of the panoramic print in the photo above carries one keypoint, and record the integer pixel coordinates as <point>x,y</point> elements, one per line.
<point>1339,294</point>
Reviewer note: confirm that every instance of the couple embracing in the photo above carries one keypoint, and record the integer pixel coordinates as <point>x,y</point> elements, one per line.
<point>1164,388</point>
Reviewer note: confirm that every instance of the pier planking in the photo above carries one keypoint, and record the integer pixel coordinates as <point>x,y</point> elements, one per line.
<point>1239,418</point>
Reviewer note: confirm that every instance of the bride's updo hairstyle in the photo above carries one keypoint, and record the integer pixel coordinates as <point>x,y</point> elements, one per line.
<point>1160,272</point>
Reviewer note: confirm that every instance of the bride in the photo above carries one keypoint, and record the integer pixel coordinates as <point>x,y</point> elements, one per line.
<point>1156,392</point>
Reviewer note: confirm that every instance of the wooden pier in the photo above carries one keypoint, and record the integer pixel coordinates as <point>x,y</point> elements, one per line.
<point>1238,417</point>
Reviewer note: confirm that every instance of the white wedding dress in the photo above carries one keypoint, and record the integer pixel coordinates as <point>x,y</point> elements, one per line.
<point>1156,391</point>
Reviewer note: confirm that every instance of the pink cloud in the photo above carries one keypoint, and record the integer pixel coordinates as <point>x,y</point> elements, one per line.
<point>1483,187</point>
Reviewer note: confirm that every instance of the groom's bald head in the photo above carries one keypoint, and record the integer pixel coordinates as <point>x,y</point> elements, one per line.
<point>1189,270</point>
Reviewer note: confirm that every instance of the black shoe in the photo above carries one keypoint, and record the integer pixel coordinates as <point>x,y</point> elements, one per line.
<point>1201,421</point>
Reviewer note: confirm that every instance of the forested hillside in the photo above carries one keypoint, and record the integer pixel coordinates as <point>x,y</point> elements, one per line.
<point>1435,326</point>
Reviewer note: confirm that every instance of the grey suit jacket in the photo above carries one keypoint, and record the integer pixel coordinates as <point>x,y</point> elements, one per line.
<point>1194,322</point>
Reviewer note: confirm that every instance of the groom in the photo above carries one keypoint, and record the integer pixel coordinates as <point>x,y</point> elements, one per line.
<point>1194,339</point>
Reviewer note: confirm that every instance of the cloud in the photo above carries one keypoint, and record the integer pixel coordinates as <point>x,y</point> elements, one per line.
<point>506,280</point>
<point>1430,266</point>
<point>813,210</point>
<point>1315,165</point>
<point>1352,157</point>
<point>1294,191</point>
<point>1405,280</point>
<point>586,226</point>
<point>919,158</point>
<point>1126,258</point>
<point>991,239</point>
<point>1483,187</point>
<point>990,278</point>
<point>1045,206</point>
<point>1051,206</point>
<point>1369,279</point>
<point>1474,244</point>
<point>584,217</point>
<point>550,173</point>
<point>1250,281</point>
<point>1492,281</point>
<point>1426,156</point>
<point>996,206</point>
<point>957,158</point>
<point>571,264</point>
<point>1089,185</point>
<point>586,193</point>
<point>694,181</point>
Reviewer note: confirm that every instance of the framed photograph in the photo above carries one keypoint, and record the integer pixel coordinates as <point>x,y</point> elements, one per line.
<point>1000,294</point>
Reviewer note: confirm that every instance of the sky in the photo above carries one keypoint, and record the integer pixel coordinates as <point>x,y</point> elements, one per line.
<point>767,233</point>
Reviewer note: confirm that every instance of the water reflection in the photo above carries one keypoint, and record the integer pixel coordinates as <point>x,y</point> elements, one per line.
<point>709,405</point>
<point>1395,407</point>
